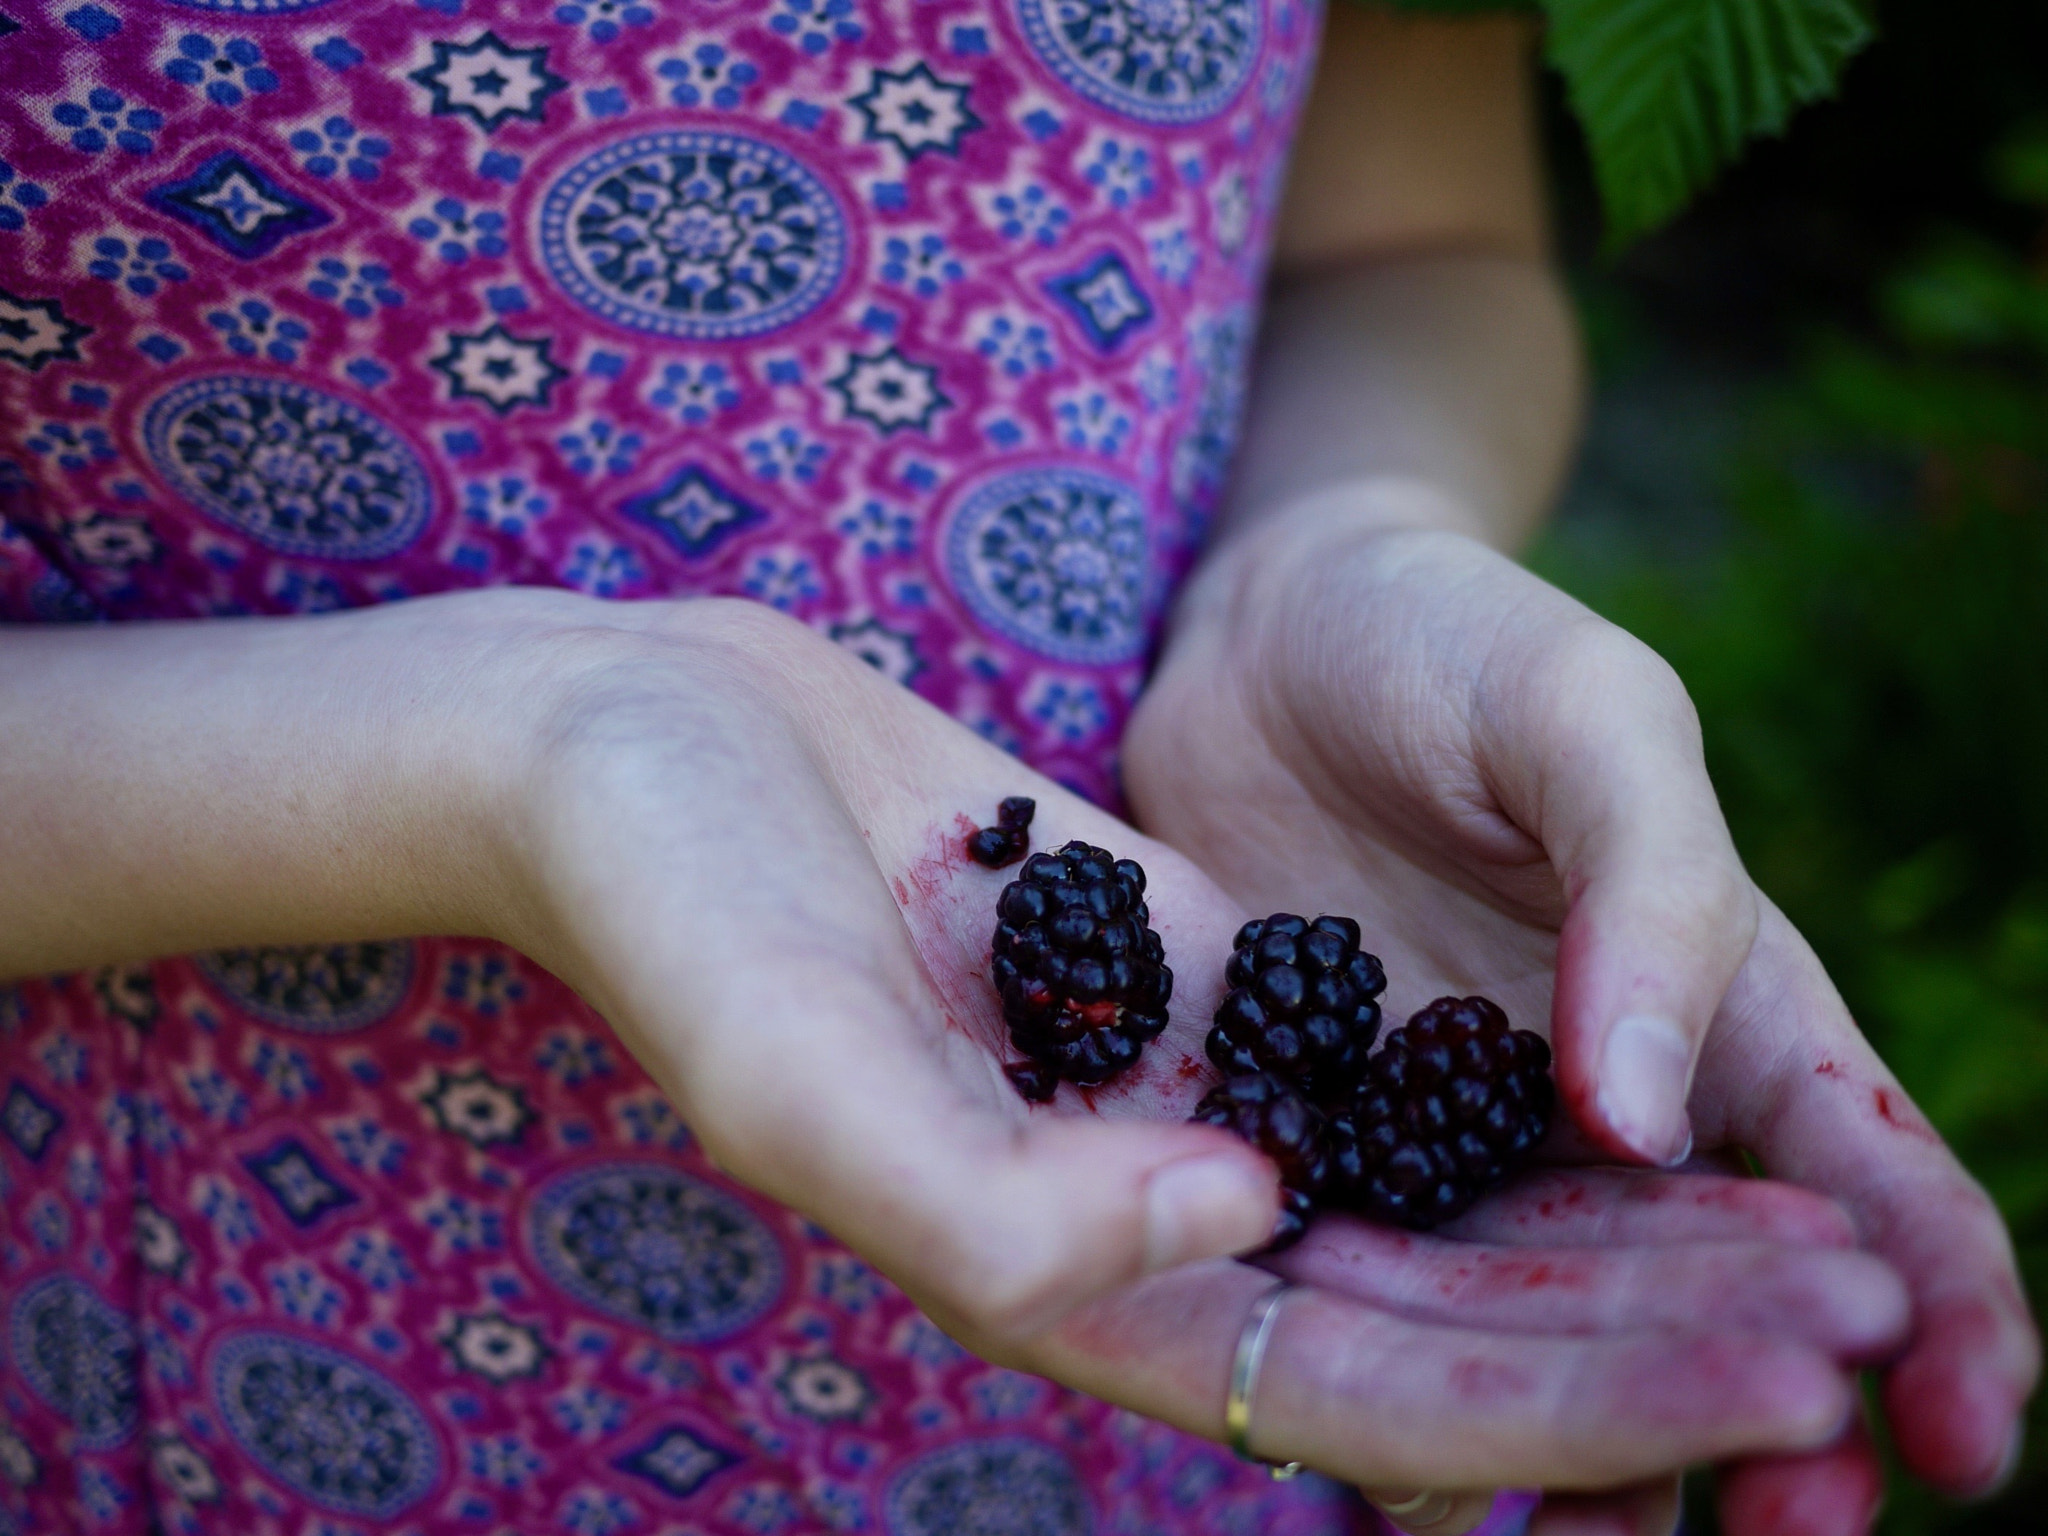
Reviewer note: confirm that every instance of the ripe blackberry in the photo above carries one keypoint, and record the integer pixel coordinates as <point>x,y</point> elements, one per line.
<point>1007,841</point>
<point>1452,1103</point>
<point>1078,965</point>
<point>1301,1003</point>
<point>1273,1115</point>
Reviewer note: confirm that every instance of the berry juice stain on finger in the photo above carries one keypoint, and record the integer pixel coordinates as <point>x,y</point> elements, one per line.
<point>1489,1381</point>
<point>1895,1111</point>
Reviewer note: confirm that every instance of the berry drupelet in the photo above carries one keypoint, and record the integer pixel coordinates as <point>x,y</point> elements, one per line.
<point>1273,1115</point>
<point>1302,1003</point>
<point>1452,1104</point>
<point>1008,840</point>
<point>1079,968</point>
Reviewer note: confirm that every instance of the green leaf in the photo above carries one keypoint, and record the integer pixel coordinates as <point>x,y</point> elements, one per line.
<point>1669,91</point>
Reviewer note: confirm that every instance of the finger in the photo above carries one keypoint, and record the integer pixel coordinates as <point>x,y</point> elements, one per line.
<point>1847,1304</point>
<point>1379,1401</point>
<point>1796,1083</point>
<point>1659,913</point>
<point>1595,1207</point>
<point>1648,1509</point>
<point>1432,1511</point>
<point>1833,1492</point>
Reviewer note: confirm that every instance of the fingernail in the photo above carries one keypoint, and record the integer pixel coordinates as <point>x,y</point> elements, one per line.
<point>1205,1208</point>
<point>1644,1074</point>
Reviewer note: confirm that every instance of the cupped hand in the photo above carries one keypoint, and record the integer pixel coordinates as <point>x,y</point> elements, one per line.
<point>746,849</point>
<point>1509,794</point>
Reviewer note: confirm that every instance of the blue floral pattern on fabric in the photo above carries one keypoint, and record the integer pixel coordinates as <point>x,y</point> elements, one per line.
<point>325,1425</point>
<point>77,1352</point>
<point>1161,61</point>
<point>1007,1487</point>
<point>1056,559</point>
<point>649,1244</point>
<point>294,467</point>
<point>706,236</point>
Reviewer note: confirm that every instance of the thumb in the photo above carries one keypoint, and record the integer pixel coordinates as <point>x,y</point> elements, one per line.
<point>1660,914</point>
<point>997,1226</point>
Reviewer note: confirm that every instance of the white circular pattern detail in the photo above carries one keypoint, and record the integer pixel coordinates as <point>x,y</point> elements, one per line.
<point>299,470</point>
<point>1056,559</point>
<point>1160,61</point>
<point>693,234</point>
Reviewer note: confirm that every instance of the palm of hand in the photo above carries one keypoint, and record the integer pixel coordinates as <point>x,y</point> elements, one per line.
<point>1507,794</point>
<point>828,1029</point>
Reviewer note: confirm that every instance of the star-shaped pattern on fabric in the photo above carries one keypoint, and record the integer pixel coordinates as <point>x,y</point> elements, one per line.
<point>890,652</point>
<point>676,1461</point>
<point>888,391</point>
<point>297,1182</point>
<point>37,331</point>
<point>498,368</point>
<point>28,1121</point>
<point>694,511</point>
<point>916,111</point>
<point>488,82</point>
<point>236,206</point>
<point>1104,298</point>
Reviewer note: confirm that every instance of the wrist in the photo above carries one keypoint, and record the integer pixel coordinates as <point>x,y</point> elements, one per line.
<point>1265,563</point>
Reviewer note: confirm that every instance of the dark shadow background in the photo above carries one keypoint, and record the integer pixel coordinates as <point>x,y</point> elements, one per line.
<point>1816,479</point>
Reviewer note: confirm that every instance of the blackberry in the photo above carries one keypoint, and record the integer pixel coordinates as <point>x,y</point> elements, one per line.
<point>1078,965</point>
<point>1006,842</point>
<point>1302,1003</point>
<point>1453,1103</point>
<point>1273,1115</point>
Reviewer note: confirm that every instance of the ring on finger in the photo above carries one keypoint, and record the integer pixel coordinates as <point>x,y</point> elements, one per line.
<point>1244,1379</point>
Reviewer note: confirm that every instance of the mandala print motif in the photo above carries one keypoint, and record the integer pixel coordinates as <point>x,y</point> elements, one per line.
<point>1008,1487</point>
<point>1201,458</point>
<point>1160,61</point>
<point>316,989</point>
<point>295,468</point>
<point>252,7</point>
<point>656,1247</point>
<point>1056,559</point>
<point>77,1353</point>
<point>706,236</point>
<point>325,1425</point>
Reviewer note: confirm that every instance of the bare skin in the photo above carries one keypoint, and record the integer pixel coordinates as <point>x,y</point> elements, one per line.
<point>587,780</point>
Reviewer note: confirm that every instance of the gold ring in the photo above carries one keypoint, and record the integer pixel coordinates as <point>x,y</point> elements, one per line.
<point>1407,1506</point>
<point>1244,1380</point>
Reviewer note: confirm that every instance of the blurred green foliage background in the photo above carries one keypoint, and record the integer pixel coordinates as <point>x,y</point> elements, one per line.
<point>1817,482</point>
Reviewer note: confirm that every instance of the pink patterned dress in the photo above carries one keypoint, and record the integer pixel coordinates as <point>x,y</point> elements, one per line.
<point>924,321</point>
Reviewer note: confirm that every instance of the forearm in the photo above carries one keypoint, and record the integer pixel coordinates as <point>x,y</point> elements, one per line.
<point>1439,391</point>
<point>174,786</point>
